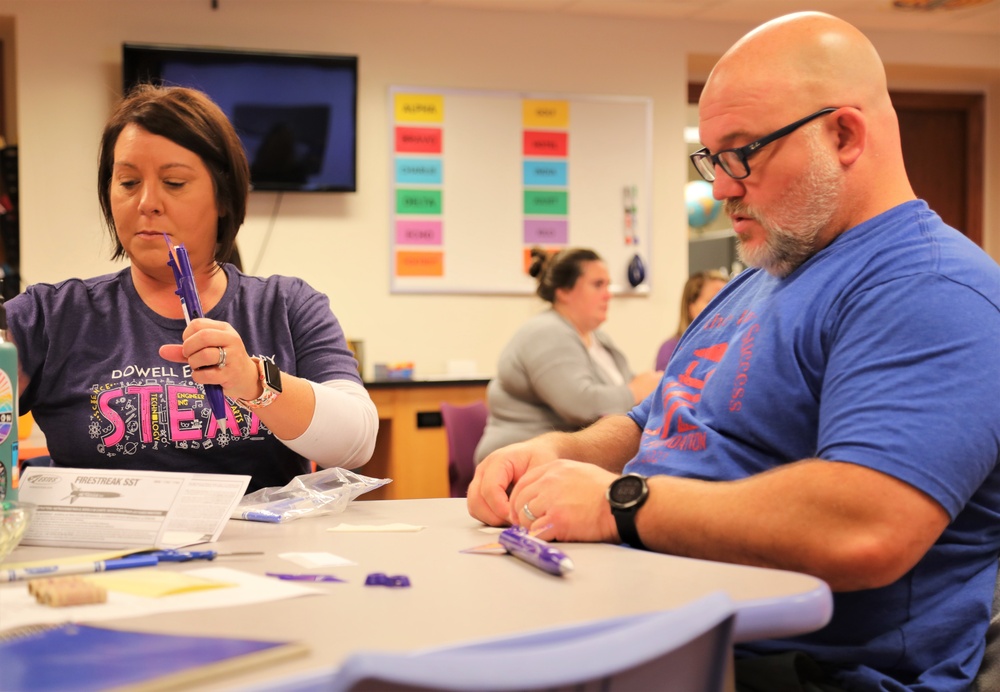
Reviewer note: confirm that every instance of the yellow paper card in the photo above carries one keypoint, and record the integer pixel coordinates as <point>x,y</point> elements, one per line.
<point>153,583</point>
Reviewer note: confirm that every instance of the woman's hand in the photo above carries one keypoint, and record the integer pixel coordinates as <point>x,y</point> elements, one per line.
<point>216,355</point>
<point>643,384</point>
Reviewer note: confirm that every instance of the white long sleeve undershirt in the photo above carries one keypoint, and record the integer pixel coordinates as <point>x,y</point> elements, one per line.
<point>343,428</point>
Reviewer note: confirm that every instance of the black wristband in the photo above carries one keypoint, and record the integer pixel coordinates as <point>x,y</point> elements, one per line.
<point>626,495</point>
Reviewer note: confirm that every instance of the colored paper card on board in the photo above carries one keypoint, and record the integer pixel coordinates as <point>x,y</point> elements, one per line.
<point>540,143</point>
<point>424,171</point>
<point>419,263</point>
<point>545,201</point>
<point>545,173</point>
<point>418,201</point>
<point>545,113</point>
<point>542,231</point>
<point>419,140</point>
<point>410,232</point>
<point>419,108</point>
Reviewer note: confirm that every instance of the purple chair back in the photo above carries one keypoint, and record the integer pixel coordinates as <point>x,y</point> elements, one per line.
<point>463,426</point>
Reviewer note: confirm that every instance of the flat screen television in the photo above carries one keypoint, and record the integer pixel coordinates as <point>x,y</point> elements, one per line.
<point>296,113</point>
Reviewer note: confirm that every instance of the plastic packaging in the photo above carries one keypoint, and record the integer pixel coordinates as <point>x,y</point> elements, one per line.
<point>325,492</point>
<point>8,412</point>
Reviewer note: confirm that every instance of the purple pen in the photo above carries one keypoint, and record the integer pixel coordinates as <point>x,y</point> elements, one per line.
<point>177,260</point>
<point>535,551</point>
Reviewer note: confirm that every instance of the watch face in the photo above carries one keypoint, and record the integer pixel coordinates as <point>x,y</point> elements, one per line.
<point>272,375</point>
<point>627,491</point>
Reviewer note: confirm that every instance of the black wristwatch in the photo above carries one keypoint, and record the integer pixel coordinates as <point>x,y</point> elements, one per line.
<point>626,495</point>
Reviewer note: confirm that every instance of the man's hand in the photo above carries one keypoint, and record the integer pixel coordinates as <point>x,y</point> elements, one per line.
<point>497,473</point>
<point>568,496</point>
<point>607,444</point>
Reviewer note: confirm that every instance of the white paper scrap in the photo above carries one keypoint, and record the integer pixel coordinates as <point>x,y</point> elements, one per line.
<point>310,560</point>
<point>375,527</point>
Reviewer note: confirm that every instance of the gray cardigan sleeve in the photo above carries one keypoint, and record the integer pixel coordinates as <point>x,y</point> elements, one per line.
<point>561,374</point>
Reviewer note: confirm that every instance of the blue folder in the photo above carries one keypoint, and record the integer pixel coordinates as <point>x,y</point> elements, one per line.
<point>82,657</point>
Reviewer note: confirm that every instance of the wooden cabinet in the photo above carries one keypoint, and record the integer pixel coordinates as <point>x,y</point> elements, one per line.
<point>412,449</point>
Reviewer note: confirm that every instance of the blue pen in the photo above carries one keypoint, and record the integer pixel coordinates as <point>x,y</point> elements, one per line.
<point>128,562</point>
<point>521,544</point>
<point>188,555</point>
<point>179,262</point>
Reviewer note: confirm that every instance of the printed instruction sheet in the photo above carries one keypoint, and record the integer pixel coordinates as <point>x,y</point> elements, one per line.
<point>97,508</point>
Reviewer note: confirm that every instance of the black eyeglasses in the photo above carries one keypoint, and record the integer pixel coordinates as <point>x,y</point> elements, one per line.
<point>734,161</point>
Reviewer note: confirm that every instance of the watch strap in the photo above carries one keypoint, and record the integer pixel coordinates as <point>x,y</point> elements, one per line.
<point>268,395</point>
<point>625,520</point>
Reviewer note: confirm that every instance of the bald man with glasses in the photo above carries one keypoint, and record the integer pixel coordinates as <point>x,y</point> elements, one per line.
<point>834,410</point>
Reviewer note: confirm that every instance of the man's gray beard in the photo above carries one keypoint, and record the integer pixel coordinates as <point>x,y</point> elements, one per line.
<point>782,253</point>
<point>788,245</point>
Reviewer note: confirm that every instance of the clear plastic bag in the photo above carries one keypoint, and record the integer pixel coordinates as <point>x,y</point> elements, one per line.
<point>325,492</point>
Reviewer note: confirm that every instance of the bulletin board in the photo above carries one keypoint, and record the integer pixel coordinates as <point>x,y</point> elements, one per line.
<point>480,177</point>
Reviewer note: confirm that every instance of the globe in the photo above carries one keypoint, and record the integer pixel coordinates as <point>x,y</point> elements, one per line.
<point>702,208</point>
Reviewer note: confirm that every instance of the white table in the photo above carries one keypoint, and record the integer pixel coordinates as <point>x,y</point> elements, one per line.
<point>458,597</point>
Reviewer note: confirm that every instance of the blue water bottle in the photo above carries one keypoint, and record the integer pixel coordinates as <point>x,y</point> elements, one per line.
<point>8,412</point>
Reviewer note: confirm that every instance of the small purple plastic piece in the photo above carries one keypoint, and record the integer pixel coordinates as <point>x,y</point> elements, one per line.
<point>305,577</point>
<point>382,579</point>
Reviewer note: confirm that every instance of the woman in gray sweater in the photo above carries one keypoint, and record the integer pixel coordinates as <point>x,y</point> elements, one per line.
<point>559,372</point>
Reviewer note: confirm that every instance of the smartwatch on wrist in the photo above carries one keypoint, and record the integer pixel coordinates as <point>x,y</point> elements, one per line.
<point>626,495</point>
<point>270,379</point>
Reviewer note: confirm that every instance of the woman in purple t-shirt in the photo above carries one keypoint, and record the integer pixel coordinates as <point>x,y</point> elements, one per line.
<point>115,375</point>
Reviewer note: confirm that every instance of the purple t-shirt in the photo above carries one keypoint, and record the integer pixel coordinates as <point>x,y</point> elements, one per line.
<point>104,398</point>
<point>666,350</point>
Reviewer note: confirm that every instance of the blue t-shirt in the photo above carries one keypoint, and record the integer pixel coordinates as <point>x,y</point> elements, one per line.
<point>882,350</point>
<point>104,397</point>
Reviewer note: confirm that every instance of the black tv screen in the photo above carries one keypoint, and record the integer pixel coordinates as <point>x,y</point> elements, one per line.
<point>296,113</point>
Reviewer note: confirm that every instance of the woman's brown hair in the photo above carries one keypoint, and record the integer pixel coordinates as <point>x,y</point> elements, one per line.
<point>692,289</point>
<point>560,270</point>
<point>192,120</point>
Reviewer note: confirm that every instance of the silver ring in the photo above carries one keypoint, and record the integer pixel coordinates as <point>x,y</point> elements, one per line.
<point>527,512</point>
<point>222,357</point>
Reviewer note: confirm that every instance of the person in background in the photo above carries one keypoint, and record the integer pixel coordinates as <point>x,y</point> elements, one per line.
<point>559,371</point>
<point>835,412</point>
<point>112,374</point>
<point>699,289</point>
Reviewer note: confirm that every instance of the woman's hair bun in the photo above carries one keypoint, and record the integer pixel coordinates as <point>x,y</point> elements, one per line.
<point>538,259</point>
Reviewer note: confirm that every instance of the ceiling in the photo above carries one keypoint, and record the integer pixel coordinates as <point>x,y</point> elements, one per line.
<point>966,17</point>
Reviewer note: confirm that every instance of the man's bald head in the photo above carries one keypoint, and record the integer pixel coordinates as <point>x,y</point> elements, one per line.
<point>788,68</point>
<point>800,63</point>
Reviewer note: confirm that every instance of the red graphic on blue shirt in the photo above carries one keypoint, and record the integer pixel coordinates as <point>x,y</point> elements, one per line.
<point>679,395</point>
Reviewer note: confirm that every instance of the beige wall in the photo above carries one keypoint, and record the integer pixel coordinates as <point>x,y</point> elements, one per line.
<point>67,77</point>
